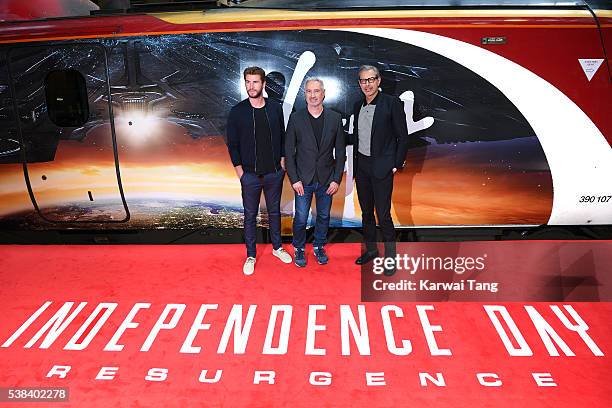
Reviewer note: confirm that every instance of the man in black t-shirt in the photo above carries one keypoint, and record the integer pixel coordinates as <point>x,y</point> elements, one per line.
<point>255,141</point>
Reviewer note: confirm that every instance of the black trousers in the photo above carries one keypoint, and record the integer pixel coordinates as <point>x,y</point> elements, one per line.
<point>375,193</point>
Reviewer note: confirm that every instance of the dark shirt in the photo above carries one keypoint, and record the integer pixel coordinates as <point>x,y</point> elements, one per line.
<point>263,143</point>
<point>317,129</point>
<point>317,126</point>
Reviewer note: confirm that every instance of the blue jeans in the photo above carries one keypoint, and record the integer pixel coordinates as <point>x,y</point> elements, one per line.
<point>302,208</point>
<point>272,186</point>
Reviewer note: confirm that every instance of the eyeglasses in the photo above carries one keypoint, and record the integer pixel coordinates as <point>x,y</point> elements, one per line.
<point>369,80</point>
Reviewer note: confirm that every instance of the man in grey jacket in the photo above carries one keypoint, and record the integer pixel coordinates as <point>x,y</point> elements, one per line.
<point>313,135</point>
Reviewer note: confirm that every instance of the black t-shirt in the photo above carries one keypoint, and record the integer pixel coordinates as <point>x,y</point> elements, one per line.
<point>264,162</point>
<point>317,127</point>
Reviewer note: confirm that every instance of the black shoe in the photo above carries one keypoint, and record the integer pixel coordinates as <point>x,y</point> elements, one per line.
<point>319,253</point>
<point>299,257</point>
<point>366,257</point>
<point>389,271</point>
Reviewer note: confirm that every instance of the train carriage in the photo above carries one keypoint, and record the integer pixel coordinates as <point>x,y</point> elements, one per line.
<point>116,122</point>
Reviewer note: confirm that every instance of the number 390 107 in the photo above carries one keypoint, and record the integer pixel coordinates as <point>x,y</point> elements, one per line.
<point>595,199</point>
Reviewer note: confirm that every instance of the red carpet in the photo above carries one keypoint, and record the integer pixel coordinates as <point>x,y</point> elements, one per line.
<point>212,274</point>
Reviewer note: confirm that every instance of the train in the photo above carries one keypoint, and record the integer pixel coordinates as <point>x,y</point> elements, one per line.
<point>115,121</point>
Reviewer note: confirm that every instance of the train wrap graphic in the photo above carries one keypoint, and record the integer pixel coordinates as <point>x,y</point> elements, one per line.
<point>492,141</point>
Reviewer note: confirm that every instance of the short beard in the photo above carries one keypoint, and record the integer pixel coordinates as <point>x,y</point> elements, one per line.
<point>256,96</point>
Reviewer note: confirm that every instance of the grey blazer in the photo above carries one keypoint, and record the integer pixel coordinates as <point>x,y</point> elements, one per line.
<point>302,155</point>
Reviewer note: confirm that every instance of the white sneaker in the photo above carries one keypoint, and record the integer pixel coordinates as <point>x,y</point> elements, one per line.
<point>249,266</point>
<point>281,254</point>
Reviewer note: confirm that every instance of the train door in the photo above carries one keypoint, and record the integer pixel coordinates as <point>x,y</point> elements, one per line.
<point>62,96</point>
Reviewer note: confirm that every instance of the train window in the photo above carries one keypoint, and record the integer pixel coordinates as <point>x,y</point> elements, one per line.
<point>66,94</point>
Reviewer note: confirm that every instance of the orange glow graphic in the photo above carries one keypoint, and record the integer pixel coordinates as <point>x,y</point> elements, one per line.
<point>438,186</point>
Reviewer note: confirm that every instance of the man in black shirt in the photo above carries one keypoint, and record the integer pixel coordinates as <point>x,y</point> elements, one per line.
<point>255,141</point>
<point>312,136</point>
